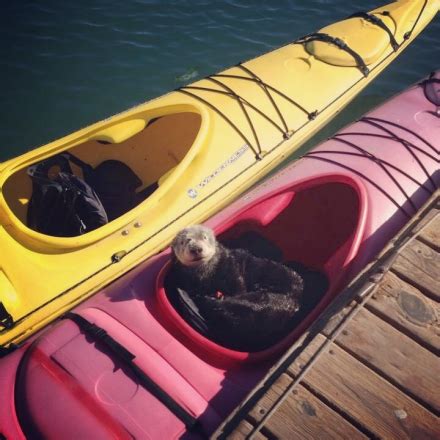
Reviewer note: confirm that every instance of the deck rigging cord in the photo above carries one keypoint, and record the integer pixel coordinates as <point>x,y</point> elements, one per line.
<point>409,146</point>
<point>383,164</point>
<point>228,91</point>
<point>339,43</point>
<point>378,22</point>
<point>394,124</point>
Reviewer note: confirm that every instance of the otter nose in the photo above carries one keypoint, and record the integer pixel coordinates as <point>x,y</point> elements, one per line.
<point>195,250</point>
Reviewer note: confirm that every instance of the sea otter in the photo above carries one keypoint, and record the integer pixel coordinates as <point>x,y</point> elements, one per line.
<point>245,302</point>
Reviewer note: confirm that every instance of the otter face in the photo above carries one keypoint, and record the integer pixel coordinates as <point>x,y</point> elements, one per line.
<point>194,246</point>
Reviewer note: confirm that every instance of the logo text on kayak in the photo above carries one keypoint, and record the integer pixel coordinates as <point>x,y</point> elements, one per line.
<point>193,192</point>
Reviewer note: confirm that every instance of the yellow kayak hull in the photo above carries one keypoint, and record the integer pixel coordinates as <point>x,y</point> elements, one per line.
<point>203,145</point>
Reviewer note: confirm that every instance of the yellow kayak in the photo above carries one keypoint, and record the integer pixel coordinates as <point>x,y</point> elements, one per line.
<point>196,149</point>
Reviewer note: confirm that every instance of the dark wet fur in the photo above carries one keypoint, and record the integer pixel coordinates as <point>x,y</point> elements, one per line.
<point>260,297</point>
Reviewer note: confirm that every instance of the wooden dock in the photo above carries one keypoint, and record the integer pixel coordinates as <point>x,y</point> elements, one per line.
<point>369,367</point>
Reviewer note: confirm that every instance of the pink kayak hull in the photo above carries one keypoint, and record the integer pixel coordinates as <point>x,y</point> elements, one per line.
<point>333,210</point>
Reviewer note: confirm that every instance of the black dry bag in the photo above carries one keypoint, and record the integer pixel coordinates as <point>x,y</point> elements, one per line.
<point>63,205</point>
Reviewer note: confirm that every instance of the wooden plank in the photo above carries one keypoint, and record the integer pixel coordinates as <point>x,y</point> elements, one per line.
<point>336,319</point>
<point>405,307</point>
<point>431,234</point>
<point>366,397</point>
<point>419,265</point>
<point>301,415</point>
<point>243,430</point>
<point>395,356</point>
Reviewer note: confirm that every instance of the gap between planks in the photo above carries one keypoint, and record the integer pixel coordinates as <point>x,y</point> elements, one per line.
<point>365,396</point>
<point>418,265</point>
<point>395,357</point>
<point>301,415</point>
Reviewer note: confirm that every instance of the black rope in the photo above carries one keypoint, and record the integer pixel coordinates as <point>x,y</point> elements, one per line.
<point>243,108</point>
<point>408,34</point>
<point>238,97</point>
<point>319,36</point>
<point>383,165</point>
<point>378,22</point>
<point>126,357</point>
<point>266,91</point>
<point>408,176</point>
<point>213,107</point>
<point>253,107</point>
<point>311,115</point>
<point>404,142</point>
<point>313,155</point>
<point>391,138</point>
<point>241,101</point>
<point>428,144</point>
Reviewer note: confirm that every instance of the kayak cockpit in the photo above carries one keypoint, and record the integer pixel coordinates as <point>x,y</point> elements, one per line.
<point>318,224</point>
<point>152,146</point>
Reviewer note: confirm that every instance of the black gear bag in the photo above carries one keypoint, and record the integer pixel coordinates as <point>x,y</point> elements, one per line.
<point>65,205</point>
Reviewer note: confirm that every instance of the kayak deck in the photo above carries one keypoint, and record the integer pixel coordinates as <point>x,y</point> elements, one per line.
<point>353,375</point>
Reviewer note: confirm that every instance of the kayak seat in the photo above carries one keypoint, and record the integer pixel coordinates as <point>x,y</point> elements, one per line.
<point>257,244</point>
<point>117,187</point>
<point>368,40</point>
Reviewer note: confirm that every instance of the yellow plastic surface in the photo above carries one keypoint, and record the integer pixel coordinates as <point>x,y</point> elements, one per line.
<point>200,159</point>
<point>120,132</point>
<point>370,50</point>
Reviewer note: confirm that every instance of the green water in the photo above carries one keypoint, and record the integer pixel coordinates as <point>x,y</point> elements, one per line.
<point>65,65</point>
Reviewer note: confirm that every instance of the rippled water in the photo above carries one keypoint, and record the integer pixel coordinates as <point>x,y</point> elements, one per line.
<point>65,65</point>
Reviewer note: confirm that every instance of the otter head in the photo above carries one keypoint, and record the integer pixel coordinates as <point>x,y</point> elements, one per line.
<point>194,246</point>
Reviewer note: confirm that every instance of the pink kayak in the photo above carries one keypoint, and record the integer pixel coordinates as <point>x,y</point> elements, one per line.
<point>127,365</point>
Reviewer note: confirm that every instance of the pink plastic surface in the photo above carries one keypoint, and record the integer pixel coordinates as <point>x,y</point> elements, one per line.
<point>334,209</point>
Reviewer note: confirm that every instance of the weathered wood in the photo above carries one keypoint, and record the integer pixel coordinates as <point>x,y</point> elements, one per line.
<point>431,234</point>
<point>301,415</point>
<point>335,320</point>
<point>366,397</point>
<point>395,356</point>
<point>243,430</point>
<point>404,306</point>
<point>419,265</point>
